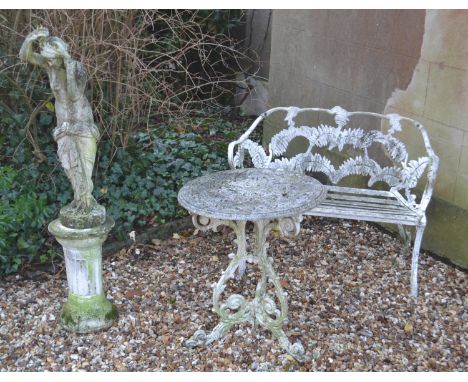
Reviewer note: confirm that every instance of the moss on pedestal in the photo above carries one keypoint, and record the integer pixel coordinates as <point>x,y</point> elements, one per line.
<point>78,218</point>
<point>88,314</point>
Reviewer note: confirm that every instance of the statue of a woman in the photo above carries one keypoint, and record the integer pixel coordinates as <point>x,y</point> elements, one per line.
<point>76,134</point>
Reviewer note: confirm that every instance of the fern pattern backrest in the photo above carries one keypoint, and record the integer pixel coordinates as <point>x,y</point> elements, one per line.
<point>402,177</point>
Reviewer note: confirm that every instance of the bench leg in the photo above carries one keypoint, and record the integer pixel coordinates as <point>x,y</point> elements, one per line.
<point>414,260</point>
<point>405,235</point>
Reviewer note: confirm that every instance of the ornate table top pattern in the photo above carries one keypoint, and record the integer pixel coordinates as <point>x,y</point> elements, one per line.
<point>251,194</point>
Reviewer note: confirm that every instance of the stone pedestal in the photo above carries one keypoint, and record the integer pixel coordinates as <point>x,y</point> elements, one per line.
<point>87,309</point>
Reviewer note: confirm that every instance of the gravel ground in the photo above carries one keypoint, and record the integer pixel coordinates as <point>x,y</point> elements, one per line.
<point>348,293</point>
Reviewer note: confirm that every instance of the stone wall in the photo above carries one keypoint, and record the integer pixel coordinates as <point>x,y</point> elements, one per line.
<point>252,87</point>
<point>258,39</point>
<point>412,62</point>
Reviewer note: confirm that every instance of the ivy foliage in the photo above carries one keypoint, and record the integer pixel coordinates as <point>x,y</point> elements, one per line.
<point>23,216</point>
<point>138,185</point>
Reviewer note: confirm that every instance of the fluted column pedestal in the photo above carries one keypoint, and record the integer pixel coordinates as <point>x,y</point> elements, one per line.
<point>87,309</point>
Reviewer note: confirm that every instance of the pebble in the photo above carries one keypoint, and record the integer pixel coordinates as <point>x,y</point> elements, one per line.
<point>348,308</point>
<point>366,333</point>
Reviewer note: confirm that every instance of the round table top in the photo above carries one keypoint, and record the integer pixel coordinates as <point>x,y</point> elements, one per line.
<point>251,194</point>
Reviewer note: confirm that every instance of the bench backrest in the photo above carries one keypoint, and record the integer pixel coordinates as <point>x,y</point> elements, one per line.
<point>402,176</point>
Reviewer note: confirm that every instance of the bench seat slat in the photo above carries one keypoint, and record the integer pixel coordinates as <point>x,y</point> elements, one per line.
<point>359,191</point>
<point>363,204</point>
<point>365,208</point>
<point>366,205</point>
<point>356,215</point>
<point>372,200</point>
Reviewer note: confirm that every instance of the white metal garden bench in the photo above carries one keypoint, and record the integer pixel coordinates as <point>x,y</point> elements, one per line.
<point>397,205</point>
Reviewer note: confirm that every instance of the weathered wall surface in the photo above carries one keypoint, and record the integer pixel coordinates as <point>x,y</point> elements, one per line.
<point>258,39</point>
<point>412,62</point>
<point>252,88</point>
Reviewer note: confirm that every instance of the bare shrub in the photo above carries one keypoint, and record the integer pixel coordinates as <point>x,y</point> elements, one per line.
<point>143,65</point>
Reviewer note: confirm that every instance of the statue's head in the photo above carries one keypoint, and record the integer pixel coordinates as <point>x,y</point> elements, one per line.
<point>54,48</point>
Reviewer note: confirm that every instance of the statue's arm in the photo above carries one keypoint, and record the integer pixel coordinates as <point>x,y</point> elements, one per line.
<point>76,78</point>
<point>26,52</point>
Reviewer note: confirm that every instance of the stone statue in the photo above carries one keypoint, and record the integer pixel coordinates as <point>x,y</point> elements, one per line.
<point>76,134</point>
<point>82,225</point>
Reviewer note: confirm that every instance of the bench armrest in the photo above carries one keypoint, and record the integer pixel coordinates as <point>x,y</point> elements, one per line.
<point>431,175</point>
<point>243,138</point>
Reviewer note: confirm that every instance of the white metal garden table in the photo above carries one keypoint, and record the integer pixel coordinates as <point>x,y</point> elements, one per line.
<point>271,199</point>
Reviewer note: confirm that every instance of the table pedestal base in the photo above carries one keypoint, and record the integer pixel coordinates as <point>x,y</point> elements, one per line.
<point>262,310</point>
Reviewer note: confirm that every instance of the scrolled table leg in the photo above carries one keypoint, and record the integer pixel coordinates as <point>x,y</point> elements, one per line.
<point>204,223</point>
<point>236,308</point>
<point>263,309</point>
<point>267,313</point>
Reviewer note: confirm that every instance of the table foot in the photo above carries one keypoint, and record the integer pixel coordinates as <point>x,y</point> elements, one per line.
<point>200,337</point>
<point>296,349</point>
